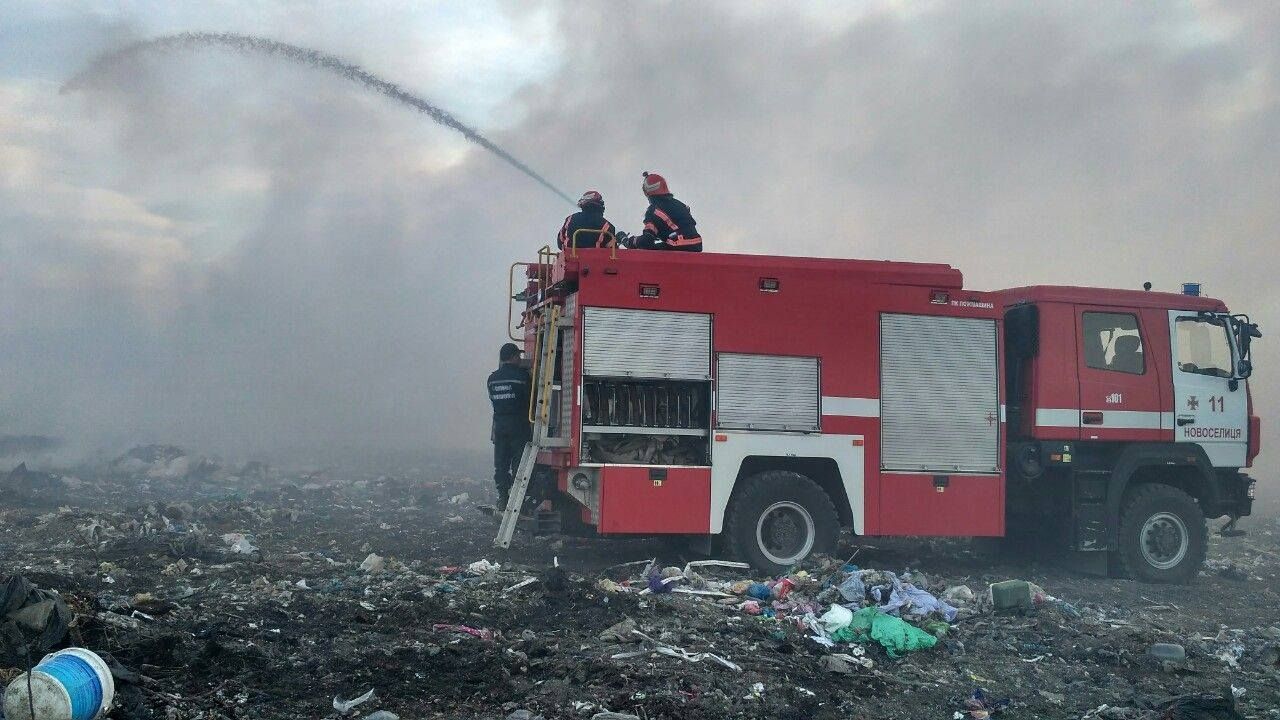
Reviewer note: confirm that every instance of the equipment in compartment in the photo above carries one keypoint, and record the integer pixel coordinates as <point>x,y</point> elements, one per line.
<point>628,449</point>
<point>645,422</point>
<point>645,403</point>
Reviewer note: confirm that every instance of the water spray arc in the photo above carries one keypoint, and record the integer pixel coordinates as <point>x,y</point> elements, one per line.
<point>311,58</point>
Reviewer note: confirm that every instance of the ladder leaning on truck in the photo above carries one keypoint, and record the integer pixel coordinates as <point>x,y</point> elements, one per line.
<point>765,402</point>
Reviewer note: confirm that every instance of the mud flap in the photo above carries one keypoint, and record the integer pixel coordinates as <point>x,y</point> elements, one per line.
<point>1089,533</point>
<point>1090,520</point>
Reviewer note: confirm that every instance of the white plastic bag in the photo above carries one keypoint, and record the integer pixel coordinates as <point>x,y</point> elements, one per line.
<point>836,618</point>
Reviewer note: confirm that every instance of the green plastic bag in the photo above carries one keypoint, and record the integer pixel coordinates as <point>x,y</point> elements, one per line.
<point>936,628</point>
<point>896,635</point>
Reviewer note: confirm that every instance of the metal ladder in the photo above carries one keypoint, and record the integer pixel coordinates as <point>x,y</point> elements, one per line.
<point>544,372</point>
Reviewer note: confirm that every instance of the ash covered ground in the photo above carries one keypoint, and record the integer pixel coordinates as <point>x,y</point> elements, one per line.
<point>260,594</point>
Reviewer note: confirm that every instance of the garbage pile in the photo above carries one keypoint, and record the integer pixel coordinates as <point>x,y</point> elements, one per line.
<point>381,597</point>
<point>31,620</point>
<point>23,486</point>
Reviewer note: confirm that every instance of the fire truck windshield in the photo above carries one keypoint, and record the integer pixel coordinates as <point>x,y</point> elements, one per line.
<point>1204,347</point>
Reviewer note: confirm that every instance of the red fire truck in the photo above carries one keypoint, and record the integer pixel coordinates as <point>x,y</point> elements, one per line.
<point>768,402</point>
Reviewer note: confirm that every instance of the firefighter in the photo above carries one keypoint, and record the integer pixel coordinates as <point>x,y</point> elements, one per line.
<point>668,225</point>
<point>590,217</point>
<point>509,388</point>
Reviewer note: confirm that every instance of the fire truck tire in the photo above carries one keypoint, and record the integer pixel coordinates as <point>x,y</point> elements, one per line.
<point>779,518</point>
<point>1163,535</point>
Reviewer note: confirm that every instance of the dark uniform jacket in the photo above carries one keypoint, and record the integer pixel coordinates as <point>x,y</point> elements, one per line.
<point>586,219</point>
<point>509,388</point>
<point>668,225</point>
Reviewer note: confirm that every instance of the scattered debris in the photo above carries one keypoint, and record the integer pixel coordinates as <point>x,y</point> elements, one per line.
<point>1011,594</point>
<point>980,706</point>
<point>895,635</point>
<point>555,627</point>
<point>373,564</point>
<point>1169,652</point>
<point>239,544</point>
<point>346,706</point>
<point>1199,706</point>
<point>661,648</point>
<point>463,629</point>
<point>623,632</point>
<point>483,567</point>
<point>32,621</point>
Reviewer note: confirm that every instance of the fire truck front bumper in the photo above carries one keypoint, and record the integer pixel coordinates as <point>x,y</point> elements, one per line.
<point>1236,492</point>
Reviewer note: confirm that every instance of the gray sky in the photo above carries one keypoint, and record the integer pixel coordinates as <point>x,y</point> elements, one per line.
<point>242,255</point>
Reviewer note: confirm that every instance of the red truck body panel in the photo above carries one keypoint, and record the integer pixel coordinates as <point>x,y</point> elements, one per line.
<point>833,310</point>
<point>825,308</point>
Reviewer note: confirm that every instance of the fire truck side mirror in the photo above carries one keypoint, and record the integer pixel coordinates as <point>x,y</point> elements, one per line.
<point>1244,332</point>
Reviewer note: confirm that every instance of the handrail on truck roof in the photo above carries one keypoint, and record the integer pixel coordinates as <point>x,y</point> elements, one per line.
<point>573,242</point>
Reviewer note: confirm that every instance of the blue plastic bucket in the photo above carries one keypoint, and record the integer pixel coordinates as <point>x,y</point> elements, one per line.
<point>72,684</point>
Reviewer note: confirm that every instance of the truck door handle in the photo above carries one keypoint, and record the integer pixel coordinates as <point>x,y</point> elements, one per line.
<point>1186,421</point>
<point>1091,417</point>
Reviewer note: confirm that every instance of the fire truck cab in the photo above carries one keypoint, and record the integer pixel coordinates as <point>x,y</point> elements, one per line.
<point>767,402</point>
<point>1129,421</point>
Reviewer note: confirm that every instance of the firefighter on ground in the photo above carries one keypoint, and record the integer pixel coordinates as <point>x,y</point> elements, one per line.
<point>668,225</point>
<point>509,388</point>
<point>596,231</point>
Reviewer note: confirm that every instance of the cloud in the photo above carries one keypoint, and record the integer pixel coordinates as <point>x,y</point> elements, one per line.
<point>254,256</point>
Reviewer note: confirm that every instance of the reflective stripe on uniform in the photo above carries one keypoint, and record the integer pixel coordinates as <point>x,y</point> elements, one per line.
<point>681,241</point>
<point>666,218</point>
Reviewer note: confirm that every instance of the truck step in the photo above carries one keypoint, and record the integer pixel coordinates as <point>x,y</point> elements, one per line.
<point>547,522</point>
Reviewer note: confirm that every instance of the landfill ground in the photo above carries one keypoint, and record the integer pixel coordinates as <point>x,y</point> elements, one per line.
<point>292,616</point>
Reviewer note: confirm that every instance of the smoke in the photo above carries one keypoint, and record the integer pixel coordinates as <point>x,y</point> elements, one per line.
<point>227,251</point>
<point>304,56</point>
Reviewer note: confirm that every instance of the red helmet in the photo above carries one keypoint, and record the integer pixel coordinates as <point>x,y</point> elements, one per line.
<point>654,184</point>
<point>591,197</point>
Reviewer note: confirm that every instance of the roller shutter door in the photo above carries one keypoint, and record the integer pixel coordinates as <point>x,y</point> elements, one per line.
<point>646,344</point>
<point>767,392</point>
<point>939,398</point>
<point>566,359</point>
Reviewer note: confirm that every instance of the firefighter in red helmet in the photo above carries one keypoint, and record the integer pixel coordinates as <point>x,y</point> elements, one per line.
<point>668,225</point>
<point>597,231</point>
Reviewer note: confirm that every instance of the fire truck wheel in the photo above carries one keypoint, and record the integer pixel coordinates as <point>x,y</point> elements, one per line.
<point>1163,536</point>
<point>779,518</point>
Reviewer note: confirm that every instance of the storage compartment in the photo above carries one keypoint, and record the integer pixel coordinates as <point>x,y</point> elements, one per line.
<point>645,404</point>
<point>655,500</point>
<point>646,387</point>
<point>939,394</point>
<point>627,448</point>
<point>626,343</point>
<point>767,392</point>
<point>645,422</point>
